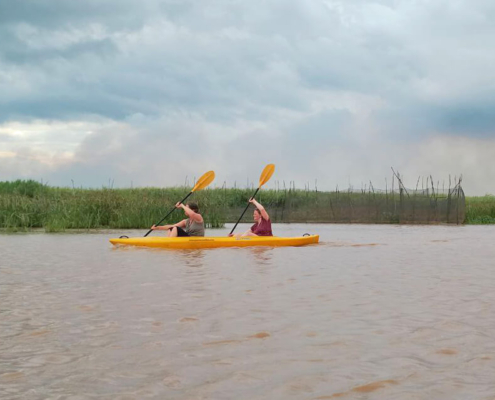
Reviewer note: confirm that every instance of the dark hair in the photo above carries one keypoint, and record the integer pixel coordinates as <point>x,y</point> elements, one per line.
<point>193,206</point>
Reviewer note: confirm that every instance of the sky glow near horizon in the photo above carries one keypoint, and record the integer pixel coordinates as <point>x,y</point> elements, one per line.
<point>331,92</point>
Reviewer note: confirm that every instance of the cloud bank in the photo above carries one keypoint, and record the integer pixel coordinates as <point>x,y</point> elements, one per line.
<point>330,91</point>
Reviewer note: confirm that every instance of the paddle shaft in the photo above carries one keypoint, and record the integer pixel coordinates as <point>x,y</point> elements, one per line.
<point>165,217</point>
<point>252,197</point>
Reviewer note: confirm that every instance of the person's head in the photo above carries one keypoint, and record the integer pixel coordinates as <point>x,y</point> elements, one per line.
<point>256,215</point>
<point>194,207</point>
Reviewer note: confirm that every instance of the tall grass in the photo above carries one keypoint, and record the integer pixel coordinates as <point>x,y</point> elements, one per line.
<point>29,204</point>
<point>480,210</point>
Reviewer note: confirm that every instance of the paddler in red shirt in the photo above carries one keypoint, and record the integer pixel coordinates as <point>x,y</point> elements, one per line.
<point>262,224</point>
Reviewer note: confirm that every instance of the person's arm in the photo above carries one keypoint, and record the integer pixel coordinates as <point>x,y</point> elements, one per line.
<point>261,209</point>
<point>190,213</point>
<point>181,224</point>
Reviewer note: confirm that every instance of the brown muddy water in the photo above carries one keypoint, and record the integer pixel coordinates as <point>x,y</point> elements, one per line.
<point>373,312</point>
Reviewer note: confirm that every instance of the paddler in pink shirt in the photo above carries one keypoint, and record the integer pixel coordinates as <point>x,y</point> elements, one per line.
<point>262,225</point>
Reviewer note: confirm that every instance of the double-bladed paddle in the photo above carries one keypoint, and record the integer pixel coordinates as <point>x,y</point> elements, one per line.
<point>202,182</point>
<point>264,178</point>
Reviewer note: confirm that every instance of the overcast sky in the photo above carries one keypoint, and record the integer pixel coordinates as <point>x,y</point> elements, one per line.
<point>337,92</point>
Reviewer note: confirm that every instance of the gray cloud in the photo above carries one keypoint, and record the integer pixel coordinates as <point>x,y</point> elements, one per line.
<point>306,83</point>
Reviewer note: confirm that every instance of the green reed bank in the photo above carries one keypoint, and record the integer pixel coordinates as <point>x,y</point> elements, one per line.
<point>29,204</point>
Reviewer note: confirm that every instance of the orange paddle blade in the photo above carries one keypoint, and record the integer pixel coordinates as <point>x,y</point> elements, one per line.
<point>204,181</point>
<point>267,174</point>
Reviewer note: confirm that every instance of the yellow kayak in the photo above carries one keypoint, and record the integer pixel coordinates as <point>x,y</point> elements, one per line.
<point>214,242</point>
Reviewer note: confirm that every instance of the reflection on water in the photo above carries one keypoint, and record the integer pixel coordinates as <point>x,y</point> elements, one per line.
<point>192,258</point>
<point>261,255</point>
<point>373,312</point>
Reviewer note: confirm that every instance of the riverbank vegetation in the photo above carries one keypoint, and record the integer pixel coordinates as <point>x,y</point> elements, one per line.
<point>480,210</point>
<point>30,204</point>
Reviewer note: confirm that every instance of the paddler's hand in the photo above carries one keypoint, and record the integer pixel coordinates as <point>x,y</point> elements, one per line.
<point>154,227</point>
<point>179,205</point>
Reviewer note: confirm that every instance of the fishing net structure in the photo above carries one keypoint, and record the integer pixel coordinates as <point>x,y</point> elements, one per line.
<point>428,203</point>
